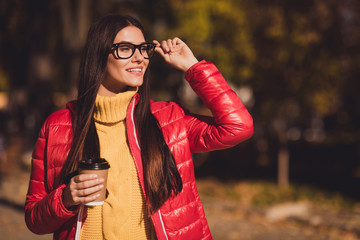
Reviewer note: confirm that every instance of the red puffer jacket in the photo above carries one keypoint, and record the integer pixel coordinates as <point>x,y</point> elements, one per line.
<point>181,217</point>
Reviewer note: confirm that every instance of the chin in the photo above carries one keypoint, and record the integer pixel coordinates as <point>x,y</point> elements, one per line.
<point>136,84</point>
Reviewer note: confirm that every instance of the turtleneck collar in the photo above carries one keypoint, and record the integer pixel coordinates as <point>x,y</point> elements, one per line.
<point>113,109</point>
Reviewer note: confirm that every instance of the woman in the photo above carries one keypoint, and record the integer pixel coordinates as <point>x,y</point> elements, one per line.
<point>151,184</point>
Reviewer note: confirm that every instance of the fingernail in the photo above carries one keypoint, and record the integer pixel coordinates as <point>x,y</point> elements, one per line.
<point>101,186</point>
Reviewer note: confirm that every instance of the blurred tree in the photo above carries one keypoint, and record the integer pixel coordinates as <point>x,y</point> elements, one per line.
<point>300,76</point>
<point>26,60</point>
<point>40,52</point>
<point>296,55</point>
<point>40,48</point>
<point>217,30</point>
<point>75,21</point>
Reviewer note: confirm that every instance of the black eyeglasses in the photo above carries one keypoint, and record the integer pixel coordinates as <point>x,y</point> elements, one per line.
<point>127,50</point>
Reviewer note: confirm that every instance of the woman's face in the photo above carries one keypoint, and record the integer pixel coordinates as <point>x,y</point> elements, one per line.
<point>123,73</point>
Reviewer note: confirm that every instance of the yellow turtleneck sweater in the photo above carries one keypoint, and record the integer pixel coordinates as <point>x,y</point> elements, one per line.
<point>124,214</point>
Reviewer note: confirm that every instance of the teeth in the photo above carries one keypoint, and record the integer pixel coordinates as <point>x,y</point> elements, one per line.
<point>134,70</point>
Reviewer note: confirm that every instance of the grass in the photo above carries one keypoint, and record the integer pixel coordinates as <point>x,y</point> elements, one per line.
<point>262,194</point>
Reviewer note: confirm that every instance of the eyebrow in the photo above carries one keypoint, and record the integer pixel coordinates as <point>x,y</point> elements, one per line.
<point>129,42</point>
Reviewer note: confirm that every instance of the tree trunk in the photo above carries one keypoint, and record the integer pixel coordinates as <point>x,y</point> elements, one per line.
<point>76,19</point>
<point>283,168</point>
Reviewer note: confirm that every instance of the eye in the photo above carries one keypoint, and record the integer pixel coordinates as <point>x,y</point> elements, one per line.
<point>144,48</point>
<point>125,48</point>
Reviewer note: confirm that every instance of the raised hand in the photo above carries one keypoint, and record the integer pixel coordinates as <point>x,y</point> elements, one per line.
<point>176,53</point>
<point>83,188</point>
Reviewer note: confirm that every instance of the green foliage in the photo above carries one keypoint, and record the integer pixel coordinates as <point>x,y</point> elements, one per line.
<point>286,52</point>
<point>217,31</point>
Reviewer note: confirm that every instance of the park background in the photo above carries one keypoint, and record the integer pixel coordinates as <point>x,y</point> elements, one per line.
<point>294,64</point>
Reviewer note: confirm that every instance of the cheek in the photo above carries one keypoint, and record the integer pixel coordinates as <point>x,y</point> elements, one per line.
<point>146,64</point>
<point>114,67</point>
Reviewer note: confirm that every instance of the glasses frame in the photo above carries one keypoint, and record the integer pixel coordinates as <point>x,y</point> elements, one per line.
<point>116,46</point>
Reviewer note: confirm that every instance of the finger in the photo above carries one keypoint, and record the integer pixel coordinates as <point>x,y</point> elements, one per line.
<point>87,199</point>
<point>89,191</point>
<point>84,177</point>
<point>84,181</point>
<point>156,43</point>
<point>165,47</point>
<point>89,183</point>
<point>178,43</point>
<point>158,46</point>
<point>176,40</point>
<point>159,49</point>
<point>170,45</point>
<point>90,198</point>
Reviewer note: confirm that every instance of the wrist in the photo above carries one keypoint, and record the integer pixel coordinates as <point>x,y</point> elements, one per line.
<point>189,73</point>
<point>189,64</point>
<point>61,198</point>
<point>64,199</point>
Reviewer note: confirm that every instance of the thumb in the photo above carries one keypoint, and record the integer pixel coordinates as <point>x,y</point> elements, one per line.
<point>158,49</point>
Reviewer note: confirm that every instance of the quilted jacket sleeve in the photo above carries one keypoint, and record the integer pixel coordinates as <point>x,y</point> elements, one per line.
<point>44,210</point>
<point>231,122</point>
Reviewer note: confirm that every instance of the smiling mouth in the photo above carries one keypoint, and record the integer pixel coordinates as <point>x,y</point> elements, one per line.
<point>134,70</point>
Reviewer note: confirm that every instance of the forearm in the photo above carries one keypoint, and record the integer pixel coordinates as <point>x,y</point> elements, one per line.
<point>231,122</point>
<point>47,214</point>
<point>44,210</point>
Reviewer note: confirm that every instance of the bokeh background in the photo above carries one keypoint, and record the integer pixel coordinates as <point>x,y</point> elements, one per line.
<point>295,65</point>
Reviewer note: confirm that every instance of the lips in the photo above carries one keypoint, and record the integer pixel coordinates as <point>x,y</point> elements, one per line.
<point>136,70</point>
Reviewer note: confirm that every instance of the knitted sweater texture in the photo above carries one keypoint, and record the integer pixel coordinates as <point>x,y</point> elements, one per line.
<point>124,215</point>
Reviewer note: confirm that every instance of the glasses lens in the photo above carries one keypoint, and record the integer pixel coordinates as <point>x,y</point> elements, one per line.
<point>124,50</point>
<point>147,50</point>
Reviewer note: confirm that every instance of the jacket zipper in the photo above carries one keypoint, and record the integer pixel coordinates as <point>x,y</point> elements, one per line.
<point>162,225</point>
<point>137,143</point>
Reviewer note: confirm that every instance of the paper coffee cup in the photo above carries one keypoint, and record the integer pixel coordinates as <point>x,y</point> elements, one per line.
<point>100,167</point>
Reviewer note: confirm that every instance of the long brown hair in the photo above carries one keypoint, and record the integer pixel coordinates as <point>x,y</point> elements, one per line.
<point>162,178</point>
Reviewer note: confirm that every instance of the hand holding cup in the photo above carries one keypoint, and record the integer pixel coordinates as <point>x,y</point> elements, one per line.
<point>89,186</point>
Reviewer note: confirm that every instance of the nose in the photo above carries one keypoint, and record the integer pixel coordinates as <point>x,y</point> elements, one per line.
<point>137,55</point>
